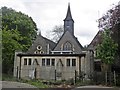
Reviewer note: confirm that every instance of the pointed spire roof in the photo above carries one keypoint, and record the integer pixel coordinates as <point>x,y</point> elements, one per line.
<point>69,15</point>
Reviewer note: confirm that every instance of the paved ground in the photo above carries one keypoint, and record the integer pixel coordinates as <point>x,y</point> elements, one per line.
<point>95,88</point>
<point>9,84</point>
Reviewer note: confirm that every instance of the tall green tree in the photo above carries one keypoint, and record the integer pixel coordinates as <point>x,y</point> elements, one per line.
<point>10,43</point>
<point>106,50</point>
<point>22,22</point>
<point>111,20</point>
<point>18,32</point>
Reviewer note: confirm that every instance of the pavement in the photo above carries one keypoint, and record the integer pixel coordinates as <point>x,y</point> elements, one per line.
<point>93,87</point>
<point>11,84</point>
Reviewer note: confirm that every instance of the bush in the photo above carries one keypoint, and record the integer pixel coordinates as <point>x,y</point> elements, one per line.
<point>83,83</point>
<point>37,83</point>
<point>118,80</point>
<point>6,77</point>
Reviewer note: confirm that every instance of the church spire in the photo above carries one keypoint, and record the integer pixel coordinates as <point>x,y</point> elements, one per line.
<point>69,22</point>
<point>69,15</point>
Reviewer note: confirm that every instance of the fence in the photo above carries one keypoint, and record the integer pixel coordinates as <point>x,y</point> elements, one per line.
<point>107,78</point>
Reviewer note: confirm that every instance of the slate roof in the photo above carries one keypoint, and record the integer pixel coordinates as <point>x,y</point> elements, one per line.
<point>73,38</point>
<point>96,40</point>
<point>40,40</point>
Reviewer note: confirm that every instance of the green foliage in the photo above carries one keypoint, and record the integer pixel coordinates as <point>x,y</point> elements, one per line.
<point>0,39</point>
<point>23,23</point>
<point>34,82</point>
<point>10,43</point>
<point>6,77</point>
<point>38,84</point>
<point>18,32</point>
<point>107,49</point>
<point>0,53</point>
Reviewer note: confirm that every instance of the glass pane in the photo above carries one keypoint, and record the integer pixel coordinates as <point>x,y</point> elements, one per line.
<point>48,62</point>
<point>68,62</point>
<point>73,62</point>
<point>43,62</point>
<point>25,61</point>
<point>53,62</point>
<point>30,61</point>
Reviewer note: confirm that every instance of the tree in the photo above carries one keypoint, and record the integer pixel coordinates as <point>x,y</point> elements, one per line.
<point>10,43</point>
<point>111,20</point>
<point>18,32</point>
<point>106,51</point>
<point>57,32</point>
<point>12,20</point>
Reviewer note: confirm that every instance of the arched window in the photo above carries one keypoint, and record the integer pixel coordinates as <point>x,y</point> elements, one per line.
<point>67,46</point>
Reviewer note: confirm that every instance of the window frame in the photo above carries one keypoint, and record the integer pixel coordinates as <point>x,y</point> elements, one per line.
<point>74,62</point>
<point>25,61</point>
<point>43,62</point>
<point>67,46</point>
<point>29,61</point>
<point>47,61</point>
<point>52,62</point>
<point>68,62</point>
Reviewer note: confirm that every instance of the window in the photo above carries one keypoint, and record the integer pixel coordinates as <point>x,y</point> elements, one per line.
<point>25,61</point>
<point>67,46</point>
<point>41,52</point>
<point>53,62</point>
<point>68,62</point>
<point>37,52</point>
<point>73,62</point>
<point>43,62</point>
<point>30,61</point>
<point>48,62</point>
<point>39,47</point>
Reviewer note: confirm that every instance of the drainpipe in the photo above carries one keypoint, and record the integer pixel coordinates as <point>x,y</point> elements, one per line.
<point>20,68</point>
<point>79,66</point>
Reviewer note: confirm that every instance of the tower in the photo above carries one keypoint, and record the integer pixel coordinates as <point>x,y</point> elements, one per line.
<point>69,22</point>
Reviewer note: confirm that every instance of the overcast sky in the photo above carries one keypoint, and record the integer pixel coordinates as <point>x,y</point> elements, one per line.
<point>48,13</point>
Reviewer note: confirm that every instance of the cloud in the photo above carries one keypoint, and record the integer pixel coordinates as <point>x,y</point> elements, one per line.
<point>48,13</point>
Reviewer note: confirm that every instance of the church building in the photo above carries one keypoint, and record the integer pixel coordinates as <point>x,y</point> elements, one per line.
<point>48,60</point>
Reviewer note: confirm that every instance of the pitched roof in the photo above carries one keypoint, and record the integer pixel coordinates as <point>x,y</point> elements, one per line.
<point>73,38</point>
<point>96,40</point>
<point>41,40</point>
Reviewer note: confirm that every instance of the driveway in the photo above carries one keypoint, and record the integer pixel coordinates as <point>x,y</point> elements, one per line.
<point>11,84</point>
<point>93,87</point>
